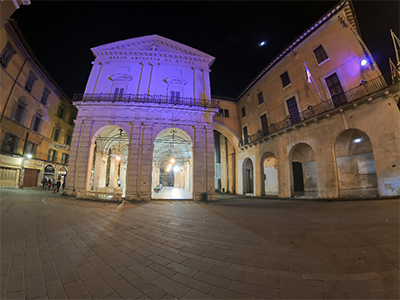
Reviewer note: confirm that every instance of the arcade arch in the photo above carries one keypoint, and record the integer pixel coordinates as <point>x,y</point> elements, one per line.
<point>269,175</point>
<point>248,176</point>
<point>224,163</point>
<point>172,168</point>
<point>304,179</point>
<point>355,164</point>
<point>109,161</point>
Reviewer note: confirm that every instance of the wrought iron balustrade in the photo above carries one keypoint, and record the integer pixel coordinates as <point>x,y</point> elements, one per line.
<point>364,89</point>
<point>145,98</point>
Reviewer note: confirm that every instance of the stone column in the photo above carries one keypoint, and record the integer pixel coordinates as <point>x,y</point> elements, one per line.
<point>231,168</point>
<point>224,169</point>
<point>132,162</point>
<point>114,164</point>
<point>328,185</point>
<point>122,175</point>
<point>100,170</point>
<point>145,163</point>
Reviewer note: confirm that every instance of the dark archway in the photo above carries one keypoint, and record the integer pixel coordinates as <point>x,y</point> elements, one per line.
<point>304,182</point>
<point>248,176</point>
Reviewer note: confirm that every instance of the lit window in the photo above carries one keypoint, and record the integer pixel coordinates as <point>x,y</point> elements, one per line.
<point>320,54</point>
<point>285,79</point>
<point>10,143</point>
<point>64,159</point>
<point>6,55</point>
<point>52,155</point>
<point>31,148</point>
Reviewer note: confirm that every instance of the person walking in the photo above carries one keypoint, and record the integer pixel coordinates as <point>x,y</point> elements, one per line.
<point>44,183</point>
<point>49,182</point>
<point>57,186</point>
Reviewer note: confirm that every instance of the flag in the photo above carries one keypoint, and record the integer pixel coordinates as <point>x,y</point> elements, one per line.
<point>308,73</point>
<point>396,40</point>
<point>310,79</point>
<point>395,72</point>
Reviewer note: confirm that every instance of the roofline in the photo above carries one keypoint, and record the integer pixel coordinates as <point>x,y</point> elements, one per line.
<point>298,41</point>
<point>12,24</point>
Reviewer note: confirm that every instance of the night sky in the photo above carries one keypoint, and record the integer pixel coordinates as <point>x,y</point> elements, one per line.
<point>62,33</point>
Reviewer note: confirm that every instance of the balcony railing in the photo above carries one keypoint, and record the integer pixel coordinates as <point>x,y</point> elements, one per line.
<point>144,98</point>
<point>364,89</point>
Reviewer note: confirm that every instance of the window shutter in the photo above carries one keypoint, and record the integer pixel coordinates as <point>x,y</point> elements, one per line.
<point>34,148</point>
<point>33,121</point>
<point>121,92</point>
<point>52,135</point>
<point>63,115</point>
<point>5,141</point>
<point>40,125</point>
<point>23,116</point>
<point>55,156</point>
<point>16,144</point>
<point>49,155</point>
<point>14,111</point>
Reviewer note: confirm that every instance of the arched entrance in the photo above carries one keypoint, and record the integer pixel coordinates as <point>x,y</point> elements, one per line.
<point>304,171</point>
<point>172,169</point>
<point>269,178</point>
<point>109,161</point>
<point>62,174</point>
<point>248,177</point>
<point>225,161</point>
<point>355,165</point>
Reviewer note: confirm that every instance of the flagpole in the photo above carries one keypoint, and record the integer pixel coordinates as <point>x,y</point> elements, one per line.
<point>309,76</point>
<point>396,48</point>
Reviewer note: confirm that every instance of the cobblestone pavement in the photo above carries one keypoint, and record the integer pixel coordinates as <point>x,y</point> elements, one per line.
<point>55,247</point>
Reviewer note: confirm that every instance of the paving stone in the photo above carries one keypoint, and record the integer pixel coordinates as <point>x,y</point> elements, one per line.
<point>197,265</point>
<point>77,259</point>
<point>15,281</point>
<point>108,274</point>
<point>55,290</point>
<point>363,276</point>
<point>144,272</point>
<point>386,295</point>
<point>182,269</point>
<point>60,258</point>
<point>228,273</point>
<point>17,262</point>
<point>345,287</point>
<point>126,273</point>
<point>251,289</point>
<point>263,280</point>
<point>76,290</point>
<point>96,262</point>
<point>242,261</point>
<point>126,290</point>
<point>272,266</point>
<point>85,272</point>
<point>170,286</point>
<point>15,295</point>
<point>193,294</point>
<point>212,279</point>
<point>247,269</point>
<point>49,271</point>
<point>34,286</point>
<point>285,294</point>
<point>193,283</point>
<point>98,288</point>
<point>162,270</point>
<point>226,294</point>
<point>149,289</point>
<point>360,295</point>
<point>66,273</point>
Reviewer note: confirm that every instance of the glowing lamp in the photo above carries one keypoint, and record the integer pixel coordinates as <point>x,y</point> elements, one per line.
<point>172,160</point>
<point>118,158</point>
<point>364,62</point>
<point>29,156</point>
<point>176,169</point>
<point>357,140</point>
<point>262,43</point>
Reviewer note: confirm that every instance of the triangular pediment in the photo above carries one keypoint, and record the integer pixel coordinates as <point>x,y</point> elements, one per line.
<point>151,43</point>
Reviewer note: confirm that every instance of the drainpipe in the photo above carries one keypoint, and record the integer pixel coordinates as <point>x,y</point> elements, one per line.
<point>12,89</point>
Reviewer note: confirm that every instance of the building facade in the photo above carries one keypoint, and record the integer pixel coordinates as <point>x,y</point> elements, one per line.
<point>8,7</point>
<point>320,120</point>
<point>145,120</point>
<point>37,118</point>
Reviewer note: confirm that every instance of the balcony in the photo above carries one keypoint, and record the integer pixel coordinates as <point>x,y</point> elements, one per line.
<point>365,88</point>
<point>144,98</point>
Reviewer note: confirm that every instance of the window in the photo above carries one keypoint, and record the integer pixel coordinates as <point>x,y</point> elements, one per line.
<point>245,135</point>
<point>52,155</point>
<point>71,119</point>
<point>336,90</point>
<point>320,54</point>
<point>36,124</point>
<point>61,112</point>
<point>118,92</point>
<point>45,95</point>
<point>67,140</point>
<point>260,98</point>
<point>30,81</point>
<point>220,112</point>
<point>285,79</point>
<point>6,55</point>
<point>10,143</point>
<point>19,112</point>
<point>293,110</point>
<point>243,112</point>
<point>56,134</point>
<point>64,159</point>
<point>264,125</point>
<point>31,148</point>
<point>226,113</point>
<point>175,95</point>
